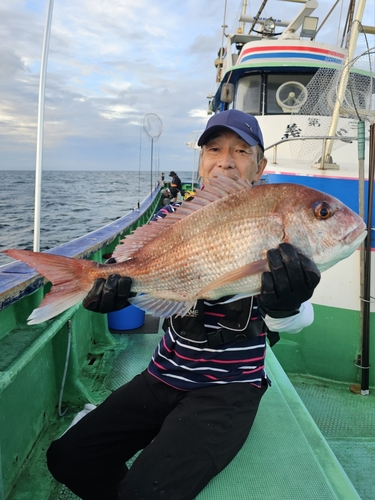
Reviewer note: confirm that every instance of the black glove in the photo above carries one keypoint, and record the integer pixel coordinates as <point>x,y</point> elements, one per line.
<point>108,295</point>
<point>291,281</point>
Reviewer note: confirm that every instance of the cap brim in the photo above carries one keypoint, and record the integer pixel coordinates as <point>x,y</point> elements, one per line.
<point>206,134</point>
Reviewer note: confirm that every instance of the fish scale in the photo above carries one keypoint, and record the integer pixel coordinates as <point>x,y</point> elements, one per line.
<point>211,234</point>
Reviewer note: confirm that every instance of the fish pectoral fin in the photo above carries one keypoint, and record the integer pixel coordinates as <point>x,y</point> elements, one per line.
<point>160,307</point>
<point>259,266</point>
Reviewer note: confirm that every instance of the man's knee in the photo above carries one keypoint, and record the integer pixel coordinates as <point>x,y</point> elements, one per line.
<point>54,461</point>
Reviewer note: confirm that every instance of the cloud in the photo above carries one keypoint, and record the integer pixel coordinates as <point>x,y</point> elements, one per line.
<point>109,65</point>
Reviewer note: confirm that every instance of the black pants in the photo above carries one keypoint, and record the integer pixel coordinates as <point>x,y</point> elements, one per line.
<point>186,438</point>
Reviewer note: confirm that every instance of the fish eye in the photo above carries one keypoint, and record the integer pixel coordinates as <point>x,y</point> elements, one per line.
<point>323,210</point>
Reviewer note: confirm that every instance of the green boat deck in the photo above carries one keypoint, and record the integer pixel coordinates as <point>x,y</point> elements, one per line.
<point>286,456</point>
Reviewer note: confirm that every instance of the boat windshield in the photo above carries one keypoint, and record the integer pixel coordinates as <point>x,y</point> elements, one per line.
<point>266,94</point>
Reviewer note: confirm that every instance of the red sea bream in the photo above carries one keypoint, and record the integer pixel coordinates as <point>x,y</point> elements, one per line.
<point>212,246</point>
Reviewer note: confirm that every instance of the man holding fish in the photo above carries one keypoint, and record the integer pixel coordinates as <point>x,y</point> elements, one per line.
<point>192,409</point>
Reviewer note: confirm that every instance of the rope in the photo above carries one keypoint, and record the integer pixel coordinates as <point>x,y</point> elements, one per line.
<point>61,414</point>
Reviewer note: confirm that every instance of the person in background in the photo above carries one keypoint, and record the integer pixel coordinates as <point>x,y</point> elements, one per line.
<point>175,186</point>
<point>191,410</point>
<point>165,197</point>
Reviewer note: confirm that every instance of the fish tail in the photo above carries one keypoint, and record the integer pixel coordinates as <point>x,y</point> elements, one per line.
<point>70,277</point>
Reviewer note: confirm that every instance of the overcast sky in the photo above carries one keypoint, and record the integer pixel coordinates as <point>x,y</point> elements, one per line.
<point>112,62</point>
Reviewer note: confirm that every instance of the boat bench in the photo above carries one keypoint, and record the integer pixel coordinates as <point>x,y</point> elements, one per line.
<point>285,456</point>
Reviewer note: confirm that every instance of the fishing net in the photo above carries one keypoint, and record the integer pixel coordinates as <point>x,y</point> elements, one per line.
<point>153,126</point>
<point>316,102</point>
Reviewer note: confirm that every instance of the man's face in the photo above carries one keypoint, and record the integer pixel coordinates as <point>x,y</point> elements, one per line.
<point>227,154</point>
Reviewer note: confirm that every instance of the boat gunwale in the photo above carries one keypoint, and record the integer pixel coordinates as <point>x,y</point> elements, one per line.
<point>18,280</point>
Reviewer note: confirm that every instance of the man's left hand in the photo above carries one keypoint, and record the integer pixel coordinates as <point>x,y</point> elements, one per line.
<point>290,282</point>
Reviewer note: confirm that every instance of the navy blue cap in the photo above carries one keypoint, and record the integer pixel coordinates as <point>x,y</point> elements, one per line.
<point>243,124</point>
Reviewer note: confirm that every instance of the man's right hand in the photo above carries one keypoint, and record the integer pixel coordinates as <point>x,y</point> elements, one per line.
<point>108,295</point>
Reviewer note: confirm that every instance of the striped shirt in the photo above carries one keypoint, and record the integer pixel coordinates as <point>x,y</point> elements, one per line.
<point>187,365</point>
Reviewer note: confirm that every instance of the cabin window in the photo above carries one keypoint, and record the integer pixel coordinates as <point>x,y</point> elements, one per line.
<point>248,94</point>
<point>273,84</point>
<point>257,94</point>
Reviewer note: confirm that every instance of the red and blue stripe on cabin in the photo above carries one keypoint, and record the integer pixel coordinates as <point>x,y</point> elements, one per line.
<point>290,53</point>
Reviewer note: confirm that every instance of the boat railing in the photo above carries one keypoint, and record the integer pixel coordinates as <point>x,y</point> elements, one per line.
<point>321,164</point>
<point>17,280</point>
<point>22,289</point>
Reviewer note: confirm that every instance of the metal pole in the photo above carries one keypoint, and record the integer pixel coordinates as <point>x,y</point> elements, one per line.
<point>244,9</point>
<point>325,19</point>
<point>193,171</point>
<point>361,192</point>
<point>274,155</point>
<point>221,51</point>
<point>365,354</point>
<point>39,143</point>
<point>152,154</point>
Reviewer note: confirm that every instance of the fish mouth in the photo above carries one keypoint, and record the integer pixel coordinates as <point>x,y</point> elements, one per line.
<point>355,237</point>
<point>350,242</point>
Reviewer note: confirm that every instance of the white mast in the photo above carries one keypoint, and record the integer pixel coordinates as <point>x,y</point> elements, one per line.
<point>39,141</point>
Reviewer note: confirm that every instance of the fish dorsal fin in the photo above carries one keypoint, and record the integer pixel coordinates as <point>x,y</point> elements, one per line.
<point>218,187</point>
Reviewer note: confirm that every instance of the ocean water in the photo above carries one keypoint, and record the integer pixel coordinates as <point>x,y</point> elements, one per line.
<point>73,203</point>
